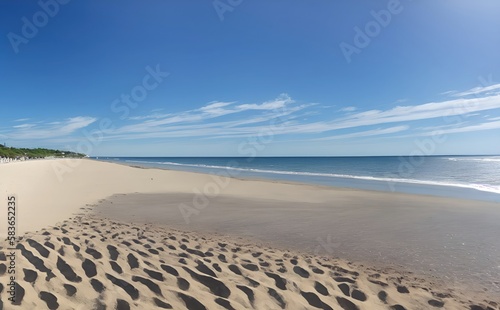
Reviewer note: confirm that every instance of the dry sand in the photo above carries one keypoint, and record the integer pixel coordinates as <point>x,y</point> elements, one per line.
<point>244,247</point>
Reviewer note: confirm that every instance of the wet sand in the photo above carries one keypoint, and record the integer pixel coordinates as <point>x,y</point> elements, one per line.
<point>455,240</point>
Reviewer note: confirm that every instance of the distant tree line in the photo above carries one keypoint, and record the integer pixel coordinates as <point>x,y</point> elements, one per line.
<point>12,152</point>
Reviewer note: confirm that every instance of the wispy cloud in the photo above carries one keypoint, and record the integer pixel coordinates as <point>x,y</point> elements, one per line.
<point>164,123</point>
<point>48,130</point>
<point>150,116</point>
<point>24,126</point>
<point>489,90</point>
<point>348,109</point>
<point>284,116</point>
<point>477,127</point>
<point>419,112</point>
<point>448,92</point>
<point>216,108</point>
<point>368,133</point>
<point>250,119</point>
<point>22,120</point>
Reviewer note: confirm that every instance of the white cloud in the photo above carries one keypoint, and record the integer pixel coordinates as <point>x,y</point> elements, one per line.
<point>348,109</point>
<point>286,116</point>
<point>215,109</point>
<point>49,130</point>
<point>477,127</point>
<point>215,105</point>
<point>75,123</point>
<point>233,128</point>
<point>24,126</point>
<point>449,92</point>
<point>151,116</point>
<point>282,101</point>
<point>492,89</point>
<point>418,112</point>
<point>368,133</point>
<point>212,110</point>
<point>198,123</point>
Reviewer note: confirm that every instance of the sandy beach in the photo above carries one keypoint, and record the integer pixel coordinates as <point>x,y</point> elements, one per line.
<point>99,235</point>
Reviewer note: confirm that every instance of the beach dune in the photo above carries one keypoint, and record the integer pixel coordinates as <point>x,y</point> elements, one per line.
<point>99,235</point>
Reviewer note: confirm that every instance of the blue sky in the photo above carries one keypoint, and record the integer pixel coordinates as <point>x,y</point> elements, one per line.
<point>245,78</point>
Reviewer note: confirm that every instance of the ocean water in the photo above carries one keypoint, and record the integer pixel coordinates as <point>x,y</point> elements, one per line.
<point>466,177</point>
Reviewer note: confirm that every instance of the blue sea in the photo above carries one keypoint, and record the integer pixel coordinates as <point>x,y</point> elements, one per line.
<point>467,177</point>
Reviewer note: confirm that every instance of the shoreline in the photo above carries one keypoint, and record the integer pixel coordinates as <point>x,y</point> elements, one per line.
<point>411,187</point>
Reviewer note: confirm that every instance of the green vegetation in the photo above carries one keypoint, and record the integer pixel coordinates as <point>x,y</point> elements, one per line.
<point>12,152</point>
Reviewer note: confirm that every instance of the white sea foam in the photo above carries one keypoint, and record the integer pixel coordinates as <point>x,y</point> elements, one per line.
<point>480,187</point>
<point>473,159</point>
